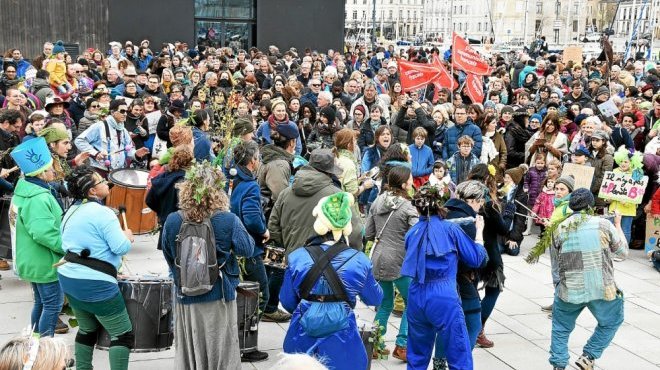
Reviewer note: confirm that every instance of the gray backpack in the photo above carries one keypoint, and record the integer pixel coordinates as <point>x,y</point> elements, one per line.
<point>196,257</point>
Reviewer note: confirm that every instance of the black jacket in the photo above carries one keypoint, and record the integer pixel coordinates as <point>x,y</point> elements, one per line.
<point>515,138</point>
<point>163,197</point>
<point>409,125</point>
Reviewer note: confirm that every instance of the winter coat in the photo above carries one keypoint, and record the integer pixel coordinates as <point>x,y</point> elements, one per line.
<point>88,119</point>
<point>163,196</point>
<point>38,237</point>
<point>291,222</point>
<point>450,142</point>
<point>131,126</point>
<point>388,254</point>
<point>343,349</point>
<point>322,136</point>
<point>422,160</point>
<point>202,149</point>
<point>399,135</point>
<point>367,133</point>
<point>438,139</point>
<point>41,89</point>
<point>515,138</point>
<point>410,124</point>
<point>600,165</point>
<point>275,171</point>
<point>533,183</point>
<point>544,205</point>
<point>246,204</point>
<point>494,229</point>
<point>8,141</point>
<point>459,167</point>
<point>519,223</point>
<point>378,101</point>
<point>263,132</point>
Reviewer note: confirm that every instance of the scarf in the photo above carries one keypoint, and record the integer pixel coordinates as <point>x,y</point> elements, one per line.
<point>273,123</point>
<point>114,124</point>
<point>559,201</point>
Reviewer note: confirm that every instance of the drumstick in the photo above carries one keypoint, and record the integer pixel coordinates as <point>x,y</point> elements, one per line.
<point>529,210</point>
<point>122,212</point>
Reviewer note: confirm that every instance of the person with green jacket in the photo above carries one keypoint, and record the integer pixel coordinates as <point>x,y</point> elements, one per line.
<point>36,217</point>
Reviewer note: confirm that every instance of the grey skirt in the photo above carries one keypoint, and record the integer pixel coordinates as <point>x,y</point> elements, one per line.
<point>206,336</point>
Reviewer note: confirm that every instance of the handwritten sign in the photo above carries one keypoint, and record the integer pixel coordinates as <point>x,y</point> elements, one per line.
<point>582,174</point>
<point>652,240</point>
<point>608,108</point>
<point>572,53</point>
<point>622,187</point>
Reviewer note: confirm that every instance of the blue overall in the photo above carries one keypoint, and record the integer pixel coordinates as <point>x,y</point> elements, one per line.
<point>342,350</point>
<point>433,249</point>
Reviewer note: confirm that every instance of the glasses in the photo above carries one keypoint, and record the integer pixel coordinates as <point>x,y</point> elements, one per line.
<point>316,85</point>
<point>121,111</point>
<point>534,121</point>
<point>102,181</point>
<point>94,106</point>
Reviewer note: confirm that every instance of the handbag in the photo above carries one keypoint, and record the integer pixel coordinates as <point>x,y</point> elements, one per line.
<point>377,238</point>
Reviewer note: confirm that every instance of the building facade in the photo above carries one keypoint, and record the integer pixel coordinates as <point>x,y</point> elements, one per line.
<point>395,19</point>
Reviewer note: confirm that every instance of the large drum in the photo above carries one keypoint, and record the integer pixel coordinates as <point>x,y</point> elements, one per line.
<point>247,304</point>
<point>5,233</point>
<point>149,305</point>
<point>368,334</point>
<point>130,190</point>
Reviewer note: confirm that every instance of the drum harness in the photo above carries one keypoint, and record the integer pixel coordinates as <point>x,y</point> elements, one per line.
<point>83,258</point>
<point>109,140</point>
<point>322,261</point>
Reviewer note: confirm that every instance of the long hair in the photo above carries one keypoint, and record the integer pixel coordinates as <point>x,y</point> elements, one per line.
<point>397,177</point>
<point>201,194</point>
<point>481,173</point>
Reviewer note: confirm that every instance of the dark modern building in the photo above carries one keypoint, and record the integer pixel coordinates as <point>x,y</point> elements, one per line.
<point>316,24</point>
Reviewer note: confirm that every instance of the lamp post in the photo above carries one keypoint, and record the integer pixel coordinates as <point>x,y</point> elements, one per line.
<point>373,24</point>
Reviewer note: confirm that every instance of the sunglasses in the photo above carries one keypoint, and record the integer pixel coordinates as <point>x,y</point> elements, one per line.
<point>316,85</point>
<point>121,111</point>
<point>95,106</point>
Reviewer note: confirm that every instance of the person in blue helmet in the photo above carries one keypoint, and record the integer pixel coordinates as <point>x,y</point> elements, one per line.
<point>321,284</point>
<point>434,247</point>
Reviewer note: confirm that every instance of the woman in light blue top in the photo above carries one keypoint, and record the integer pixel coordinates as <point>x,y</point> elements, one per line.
<point>94,244</point>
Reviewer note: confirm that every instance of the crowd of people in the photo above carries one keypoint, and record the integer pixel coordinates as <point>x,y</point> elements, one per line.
<point>407,199</point>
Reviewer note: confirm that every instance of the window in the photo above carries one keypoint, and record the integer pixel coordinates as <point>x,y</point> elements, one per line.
<point>400,14</point>
<point>537,26</point>
<point>460,10</point>
<point>391,14</point>
<point>408,14</point>
<point>460,26</point>
<point>557,9</point>
<point>225,23</point>
<point>415,14</point>
<point>575,26</point>
<point>242,9</point>
<point>539,8</point>
<point>576,9</point>
<point>478,26</point>
<point>354,14</point>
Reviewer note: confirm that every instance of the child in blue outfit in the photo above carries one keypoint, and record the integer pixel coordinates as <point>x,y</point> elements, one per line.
<point>422,158</point>
<point>461,162</point>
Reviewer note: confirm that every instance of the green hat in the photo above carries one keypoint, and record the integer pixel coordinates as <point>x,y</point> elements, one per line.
<point>53,134</point>
<point>333,214</point>
<point>242,126</point>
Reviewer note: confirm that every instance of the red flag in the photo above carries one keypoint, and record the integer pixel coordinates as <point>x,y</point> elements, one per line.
<point>465,58</point>
<point>414,76</point>
<point>444,79</point>
<point>474,86</point>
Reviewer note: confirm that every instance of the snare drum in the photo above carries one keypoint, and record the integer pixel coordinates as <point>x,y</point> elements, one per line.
<point>149,305</point>
<point>368,334</point>
<point>130,190</point>
<point>5,232</point>
<point>247,305</point>
<point>275,257</point>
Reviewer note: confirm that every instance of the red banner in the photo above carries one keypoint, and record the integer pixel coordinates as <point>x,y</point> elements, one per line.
<point>414,76</point>
<point>445,79</point>
<point>474,86</point>
<point>465,58</point>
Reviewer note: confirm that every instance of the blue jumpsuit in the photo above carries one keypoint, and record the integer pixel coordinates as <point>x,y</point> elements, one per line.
<point>433,249</point>
<point>342,350</point>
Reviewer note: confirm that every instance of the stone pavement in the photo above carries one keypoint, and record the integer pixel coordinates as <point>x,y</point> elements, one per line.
<point>520,330</point>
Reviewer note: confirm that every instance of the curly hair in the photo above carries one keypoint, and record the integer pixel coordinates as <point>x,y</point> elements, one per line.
<point>430,200</point>
<point>80,180</point>
<point>181,159</point>
<point>201,194</point>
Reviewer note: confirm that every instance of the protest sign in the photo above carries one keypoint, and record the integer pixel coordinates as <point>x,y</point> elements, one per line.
<point>572,53</point>
<point>622,187</point>
<point>608,108</point>
<point>583,174</point>
<point>652,239</point>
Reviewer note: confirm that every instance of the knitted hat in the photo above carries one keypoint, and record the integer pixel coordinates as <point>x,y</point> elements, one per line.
<point>333,214</point>
<point>53,134</point>
<point>489,104</point>
<point>581,199</point>
<point>33,156</point>
<point>361,109</point>
<point>58,47</point>
<point>536,116</point>
<point>579,118</point>
<point>242,126</point>
<point>603,90</point>
<point>569,181</point>
<point>601,134</point>
<point>517,173</point>
<point>507,109</point>
<point>329,113</point>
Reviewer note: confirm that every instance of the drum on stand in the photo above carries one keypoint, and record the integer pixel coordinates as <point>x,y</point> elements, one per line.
<point>130,190</point>
<point>247,305</point>
<point>368,334</point>
<point>149,305</point>
<point>5,232</point>
<point>275,257</point>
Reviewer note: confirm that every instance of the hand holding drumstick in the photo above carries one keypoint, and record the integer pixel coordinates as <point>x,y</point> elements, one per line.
<point>127,231</point>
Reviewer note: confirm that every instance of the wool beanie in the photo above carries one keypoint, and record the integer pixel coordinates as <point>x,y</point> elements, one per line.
<point>58,47</point>
<point>330,113</point>
<point>333,214</point>
<point>581,199</point>
<point>569,181</point>
<point>361,109</point>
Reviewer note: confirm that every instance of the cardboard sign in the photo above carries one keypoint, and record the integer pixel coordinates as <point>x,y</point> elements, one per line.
<point>608,108</point>
<point>583,174</point>
<point>622,187</point>
<point>652,239</point>
<point>573,53</point>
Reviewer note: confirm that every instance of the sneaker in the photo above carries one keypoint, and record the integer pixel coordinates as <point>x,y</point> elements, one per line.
<point>277,316</point>
<point>400,353</point>
<point>380,353</point>
<point>254,356</point>
<point>585,362</point>
<point>483,341</point>
<point>61,327</point>
<point>397,313</point>
<point>439,364</point>
<point>547,308</point>
<point>617,258</point>
<point>527,232</point>
<point>4,265</point>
